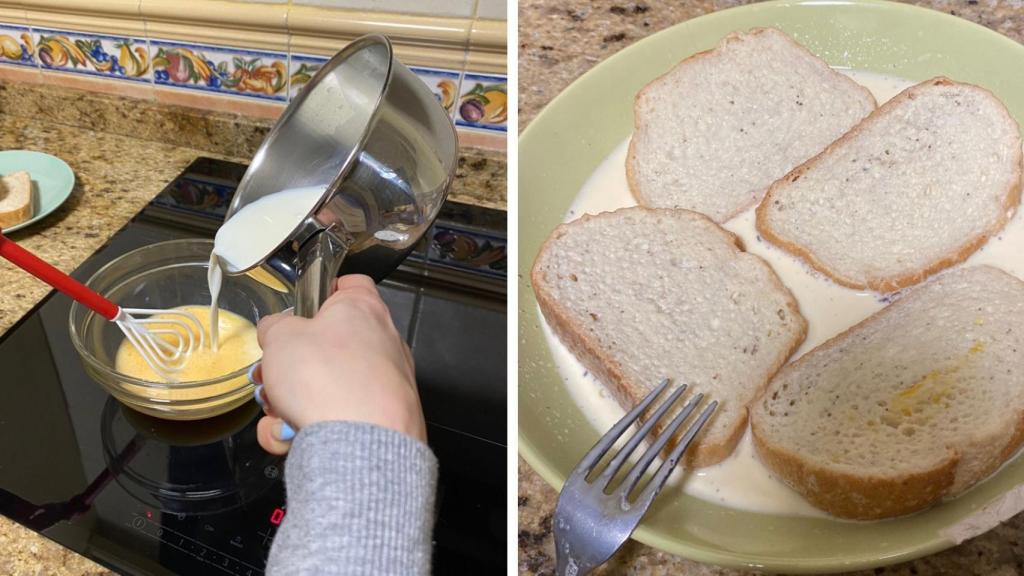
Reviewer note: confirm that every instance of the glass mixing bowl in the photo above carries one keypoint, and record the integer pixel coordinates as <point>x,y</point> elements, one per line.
<point>161,276</point>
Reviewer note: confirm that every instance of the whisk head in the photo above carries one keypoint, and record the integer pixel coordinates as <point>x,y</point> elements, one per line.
<point>164,338</point>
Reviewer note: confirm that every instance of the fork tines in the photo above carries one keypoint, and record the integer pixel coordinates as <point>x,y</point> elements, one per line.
<point>603,481</point>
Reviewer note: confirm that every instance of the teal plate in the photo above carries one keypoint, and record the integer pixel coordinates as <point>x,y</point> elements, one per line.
<point>52,181</point>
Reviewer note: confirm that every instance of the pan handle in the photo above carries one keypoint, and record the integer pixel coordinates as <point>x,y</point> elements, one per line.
<point>319,260</point>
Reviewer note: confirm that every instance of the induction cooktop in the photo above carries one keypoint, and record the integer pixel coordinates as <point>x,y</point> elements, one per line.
<point>147,496</point>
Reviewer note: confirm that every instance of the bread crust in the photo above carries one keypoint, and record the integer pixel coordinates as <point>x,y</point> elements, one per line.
<point>870,496</point>
<point>891,284</point>
<point>608,371</point>
<point>15,217</point>
<point>631,158</point>
<point>19,214</point>
<point>866,497</point>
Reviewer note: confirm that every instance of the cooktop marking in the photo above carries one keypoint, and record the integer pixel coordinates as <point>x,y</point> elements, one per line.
<point>223,561</point>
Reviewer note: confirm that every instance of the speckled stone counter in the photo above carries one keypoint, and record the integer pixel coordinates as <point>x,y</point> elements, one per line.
<point>558,42</point>
<point>114,177</point>
<point>479,180</point>
<point>116,174</point>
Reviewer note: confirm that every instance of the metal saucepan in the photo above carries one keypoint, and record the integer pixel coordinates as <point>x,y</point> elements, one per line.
<point>371,131</point>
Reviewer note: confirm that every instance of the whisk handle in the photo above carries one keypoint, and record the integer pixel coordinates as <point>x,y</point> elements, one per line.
<point>31,263</point>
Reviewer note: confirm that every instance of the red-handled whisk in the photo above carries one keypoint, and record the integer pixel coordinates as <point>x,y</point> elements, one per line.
<point>165,344</point>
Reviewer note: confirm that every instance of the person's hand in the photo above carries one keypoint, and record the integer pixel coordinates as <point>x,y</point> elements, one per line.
<point>347,363</point>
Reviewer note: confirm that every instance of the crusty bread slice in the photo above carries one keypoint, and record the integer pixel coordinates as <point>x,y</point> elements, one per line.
<point>916,187</point>
<point>918,402</point>
<point>640,295</point>
<point>15,199</point>
<point>714,132</point>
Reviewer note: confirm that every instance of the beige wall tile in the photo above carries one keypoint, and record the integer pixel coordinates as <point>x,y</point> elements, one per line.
<point>420,41</point>
<point>463,8</point>
<point>257,26</point>
<point>488,47</point>
<point>117,8</point>
<point>12,14</point>
<point>117,17</point>
<point>492,9</point>
<point>270,17</point>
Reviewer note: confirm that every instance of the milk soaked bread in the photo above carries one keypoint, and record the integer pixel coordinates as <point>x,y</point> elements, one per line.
<point>916,187</point>
<point>639,295</point>
<point>15,199</point>
<point>918,402</point>
<point>714,132</point>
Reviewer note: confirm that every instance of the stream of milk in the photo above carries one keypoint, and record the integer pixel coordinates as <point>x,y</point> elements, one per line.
<point>252,234</point>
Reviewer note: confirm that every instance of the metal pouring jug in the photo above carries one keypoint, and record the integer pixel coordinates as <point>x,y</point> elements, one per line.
<point>372,132</point>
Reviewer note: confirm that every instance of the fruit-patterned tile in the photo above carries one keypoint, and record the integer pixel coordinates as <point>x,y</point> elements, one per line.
<point>483,103</point>
<point>118,57</point>
<point>301,69</point>
<point>16,45</point>
<point>467,249</point>
<point>443,83</point>
<point>225,70</point>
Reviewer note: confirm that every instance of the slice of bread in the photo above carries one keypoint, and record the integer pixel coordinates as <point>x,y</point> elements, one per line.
<point>916,187</point>
<point>714,132</point>
<point>640,295</point>
<point>15,199</point>
<point>918,402</point>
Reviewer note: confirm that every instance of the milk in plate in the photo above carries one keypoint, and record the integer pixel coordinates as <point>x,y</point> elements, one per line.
<point>741,481</point>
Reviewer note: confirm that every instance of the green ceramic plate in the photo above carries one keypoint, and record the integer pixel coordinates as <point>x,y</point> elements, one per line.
<point>562,147</point>
<point>52,181</point>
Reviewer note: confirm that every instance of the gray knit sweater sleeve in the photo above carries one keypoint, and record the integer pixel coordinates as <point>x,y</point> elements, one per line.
<point>360,501</point>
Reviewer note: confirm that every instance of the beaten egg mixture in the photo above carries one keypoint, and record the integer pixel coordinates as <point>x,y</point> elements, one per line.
<point>237,349</point>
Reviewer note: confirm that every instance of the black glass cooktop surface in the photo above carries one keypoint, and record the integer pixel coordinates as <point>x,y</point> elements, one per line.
<point>142,495</point>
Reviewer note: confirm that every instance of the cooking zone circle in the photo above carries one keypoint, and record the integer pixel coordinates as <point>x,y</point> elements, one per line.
<point>180,468</point>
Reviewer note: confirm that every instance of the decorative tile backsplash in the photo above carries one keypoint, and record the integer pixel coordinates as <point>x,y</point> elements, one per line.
<point>483,102</point>
<point>476,101</point>
<point>94,54</point>
<point>301,70</point>
<point>16,45</point>
<point>443,83</point>
<point>250,73</point>
<point>198,196</point>
<point>467,249</point>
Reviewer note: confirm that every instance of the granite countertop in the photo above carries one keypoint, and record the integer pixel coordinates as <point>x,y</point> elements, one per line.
<point>114,178</point>
<point>558,42</point>
<point>116,175</point>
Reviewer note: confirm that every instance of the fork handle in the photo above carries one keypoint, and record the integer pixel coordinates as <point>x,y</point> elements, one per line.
<point>35,266</point>
<point>568,566</point>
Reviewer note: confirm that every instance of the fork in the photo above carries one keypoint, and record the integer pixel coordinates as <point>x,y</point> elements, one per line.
<point>590,523</point>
